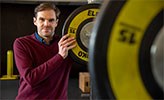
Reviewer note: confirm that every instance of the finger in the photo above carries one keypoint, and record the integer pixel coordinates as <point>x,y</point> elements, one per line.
<point>68,40</point>
<point>69,43</point>
<point>64,37</point>
<point>71,46</point>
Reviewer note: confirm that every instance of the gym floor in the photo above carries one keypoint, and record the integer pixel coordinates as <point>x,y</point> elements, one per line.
<point>9,90</point>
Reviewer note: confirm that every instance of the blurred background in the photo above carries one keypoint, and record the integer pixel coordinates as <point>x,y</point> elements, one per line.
<point>16,20</point>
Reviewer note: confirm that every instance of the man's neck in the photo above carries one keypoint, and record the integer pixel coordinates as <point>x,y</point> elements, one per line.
<point>47,40</point>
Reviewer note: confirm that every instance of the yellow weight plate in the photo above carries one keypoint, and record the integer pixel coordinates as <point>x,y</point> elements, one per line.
<point>77,24</point>
<point>123,48</point>
<point>117,69</point>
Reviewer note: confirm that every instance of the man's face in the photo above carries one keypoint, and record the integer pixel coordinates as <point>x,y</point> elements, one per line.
<point>46,23</point>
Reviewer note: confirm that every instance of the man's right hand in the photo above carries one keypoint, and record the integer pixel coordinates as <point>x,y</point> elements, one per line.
<point>65,44</point>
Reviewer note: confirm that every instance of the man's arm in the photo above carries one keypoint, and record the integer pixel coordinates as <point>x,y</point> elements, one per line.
<point>33,75</point>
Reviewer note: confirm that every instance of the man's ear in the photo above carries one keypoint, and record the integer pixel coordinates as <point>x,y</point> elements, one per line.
<point>57,22</point>
<point>34,20</point>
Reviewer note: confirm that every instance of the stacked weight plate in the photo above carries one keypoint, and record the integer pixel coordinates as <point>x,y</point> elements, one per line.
<point>126,55</point>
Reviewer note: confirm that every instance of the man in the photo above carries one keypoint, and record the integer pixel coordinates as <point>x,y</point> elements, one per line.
<point>42,58</point>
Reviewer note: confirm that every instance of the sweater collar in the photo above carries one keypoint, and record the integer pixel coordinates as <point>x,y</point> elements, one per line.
<point>39,38</point>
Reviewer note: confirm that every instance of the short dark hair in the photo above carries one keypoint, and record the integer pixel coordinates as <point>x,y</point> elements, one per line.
<point>47,6</point>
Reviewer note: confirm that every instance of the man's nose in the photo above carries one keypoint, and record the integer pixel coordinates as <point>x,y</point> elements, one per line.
<point>46,23</point>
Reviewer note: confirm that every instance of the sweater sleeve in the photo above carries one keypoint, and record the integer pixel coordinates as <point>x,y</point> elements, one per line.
<point>33,75</point>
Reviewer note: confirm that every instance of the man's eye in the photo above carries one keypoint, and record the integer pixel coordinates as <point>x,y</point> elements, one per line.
<point>41,19</point>
<point>51,20</point>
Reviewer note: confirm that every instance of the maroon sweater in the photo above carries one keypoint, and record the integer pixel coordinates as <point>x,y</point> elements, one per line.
<point>43,72</point>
